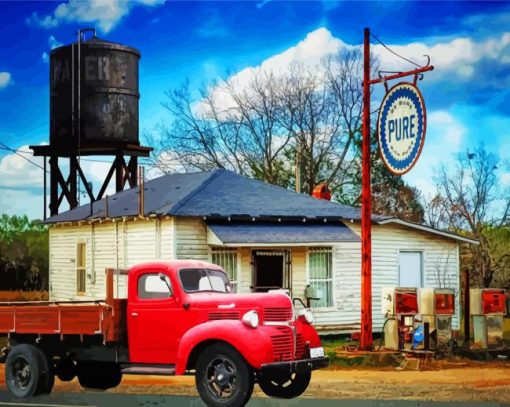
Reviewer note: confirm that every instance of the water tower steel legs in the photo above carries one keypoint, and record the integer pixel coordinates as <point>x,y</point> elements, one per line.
<point>60,188</point>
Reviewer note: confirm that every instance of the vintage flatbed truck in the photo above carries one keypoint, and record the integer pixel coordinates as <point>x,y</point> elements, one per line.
<point>180,317</point>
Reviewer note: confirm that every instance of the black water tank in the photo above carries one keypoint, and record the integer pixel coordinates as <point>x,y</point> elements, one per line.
<point>106,113</point>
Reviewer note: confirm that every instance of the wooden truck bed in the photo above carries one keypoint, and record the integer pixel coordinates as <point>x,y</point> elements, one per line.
<point>63,318</point>
<point>106,318</point>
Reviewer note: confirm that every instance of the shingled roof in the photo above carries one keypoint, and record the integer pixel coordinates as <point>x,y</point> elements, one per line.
<point>213,194</point>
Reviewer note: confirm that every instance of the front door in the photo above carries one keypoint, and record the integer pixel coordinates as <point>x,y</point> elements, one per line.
<point>270,270</point>
<point>152,319</point>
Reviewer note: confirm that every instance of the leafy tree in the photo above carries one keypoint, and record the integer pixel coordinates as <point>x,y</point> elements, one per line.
<point>391,195</point>
<point>24,254</point>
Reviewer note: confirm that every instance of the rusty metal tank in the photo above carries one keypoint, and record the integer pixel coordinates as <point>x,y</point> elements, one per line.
<point>94,94</point>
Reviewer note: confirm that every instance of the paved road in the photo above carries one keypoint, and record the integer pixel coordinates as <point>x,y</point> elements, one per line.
<point>131,400</point>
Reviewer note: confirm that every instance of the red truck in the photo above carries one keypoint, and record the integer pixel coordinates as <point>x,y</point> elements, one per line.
<point>180,317</point>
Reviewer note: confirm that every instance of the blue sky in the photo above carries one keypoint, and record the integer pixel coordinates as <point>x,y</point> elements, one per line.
<point>467,96</point>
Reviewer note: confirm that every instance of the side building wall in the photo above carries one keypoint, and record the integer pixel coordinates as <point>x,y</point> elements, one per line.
<point>119,244</point>
<point>440,269</point>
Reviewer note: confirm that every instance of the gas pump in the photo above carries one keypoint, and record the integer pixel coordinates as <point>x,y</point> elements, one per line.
<point>400,306</point>
<point>437,307</point>
<point>487,307</point>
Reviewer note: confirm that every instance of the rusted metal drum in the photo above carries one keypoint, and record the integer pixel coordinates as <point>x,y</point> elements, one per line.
<point>94,94</point>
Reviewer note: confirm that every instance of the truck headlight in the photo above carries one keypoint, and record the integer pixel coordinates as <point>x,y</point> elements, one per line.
<point>307,314</point>
<point>251,318</point>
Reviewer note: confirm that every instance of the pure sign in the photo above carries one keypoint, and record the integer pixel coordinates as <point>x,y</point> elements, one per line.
<point>401,127</point>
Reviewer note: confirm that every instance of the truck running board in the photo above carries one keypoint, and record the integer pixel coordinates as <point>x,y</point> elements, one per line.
<point>144,369</point>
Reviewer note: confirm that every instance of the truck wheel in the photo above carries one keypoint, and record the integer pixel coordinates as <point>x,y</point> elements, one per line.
<point>66,370</point>
<point>223,378</point>
<point>23,371</point>
<point>98,376</point>
<point>47,378</point>
<point>286,386</point>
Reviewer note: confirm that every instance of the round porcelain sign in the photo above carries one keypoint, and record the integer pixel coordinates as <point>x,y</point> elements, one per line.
<point>401,127</point>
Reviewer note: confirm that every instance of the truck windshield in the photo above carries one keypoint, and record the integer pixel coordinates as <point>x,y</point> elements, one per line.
<point>196,280</point>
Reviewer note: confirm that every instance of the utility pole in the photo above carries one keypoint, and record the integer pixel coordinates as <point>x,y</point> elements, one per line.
<point>366,341</point>
<point>298,168</point>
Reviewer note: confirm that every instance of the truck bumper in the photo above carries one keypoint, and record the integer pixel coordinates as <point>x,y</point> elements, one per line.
<point>294,366</point>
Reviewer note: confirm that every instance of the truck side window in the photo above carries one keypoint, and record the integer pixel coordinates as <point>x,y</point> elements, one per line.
<point>150,286</point>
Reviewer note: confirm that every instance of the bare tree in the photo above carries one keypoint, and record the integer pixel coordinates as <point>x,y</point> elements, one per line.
<point>471,197</point>
<point>257,127</point>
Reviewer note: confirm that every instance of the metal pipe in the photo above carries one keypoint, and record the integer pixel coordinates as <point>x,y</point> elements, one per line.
<point>467,314</point>
<point>401,75</point>
<point>366,340</point>
<point>44,187</point>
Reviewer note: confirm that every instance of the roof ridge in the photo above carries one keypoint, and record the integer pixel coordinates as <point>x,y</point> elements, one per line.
<point>213,175</point>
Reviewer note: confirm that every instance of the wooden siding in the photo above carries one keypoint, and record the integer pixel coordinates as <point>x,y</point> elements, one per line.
<point>191,242</point>
<point>114,244</point>
<point>123,244</point>
<point>440,269</point>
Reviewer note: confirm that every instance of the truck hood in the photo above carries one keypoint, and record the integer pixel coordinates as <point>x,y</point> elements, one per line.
<point>271,307</point>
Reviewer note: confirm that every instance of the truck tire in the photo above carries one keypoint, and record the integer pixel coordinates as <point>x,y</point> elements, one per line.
<point>23,371</point>
<point>47,378</point>
<point>66,369</point>
<point>98,376</point>
<point>285,386</point>
<point>223,378</point>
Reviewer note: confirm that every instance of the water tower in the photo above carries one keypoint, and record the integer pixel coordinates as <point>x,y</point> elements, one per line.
<point>93,111</point>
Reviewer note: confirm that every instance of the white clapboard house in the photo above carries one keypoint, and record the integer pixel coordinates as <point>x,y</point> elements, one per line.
<point>264,236</point>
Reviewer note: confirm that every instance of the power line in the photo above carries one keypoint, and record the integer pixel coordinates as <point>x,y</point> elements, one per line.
<point>147,163</point>
<point>5,147</point>
<point>394,52</point>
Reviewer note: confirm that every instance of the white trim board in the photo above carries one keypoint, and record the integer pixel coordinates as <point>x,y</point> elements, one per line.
<point>428,229</point>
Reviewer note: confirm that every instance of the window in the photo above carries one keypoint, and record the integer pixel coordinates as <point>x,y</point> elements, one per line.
<point>410,269</point>
<point>151,286</point>
<point>81,268</point>
<point>195,280</point>
<point>227,260</point>
<point>320,268</point>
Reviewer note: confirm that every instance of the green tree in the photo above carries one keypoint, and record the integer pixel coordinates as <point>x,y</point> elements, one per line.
<point>24,253</point>
<point>391,195</point>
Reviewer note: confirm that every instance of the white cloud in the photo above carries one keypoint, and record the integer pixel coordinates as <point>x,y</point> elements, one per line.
<point>21,202</point>
<point>449,129</point>
<point>17,171</point>
<point>455,57</point>
<point>445,138</point>
<point>5,80</point>
<point>23,178</point>
<point>317,45</point>
<point>505,178</point>
<point>106,14</point>
<point>53,43</point>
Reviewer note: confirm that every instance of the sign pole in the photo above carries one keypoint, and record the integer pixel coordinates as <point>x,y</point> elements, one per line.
<point>366,340</point>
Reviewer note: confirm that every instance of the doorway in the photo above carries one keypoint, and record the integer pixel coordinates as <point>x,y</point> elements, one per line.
<point>271,270</point>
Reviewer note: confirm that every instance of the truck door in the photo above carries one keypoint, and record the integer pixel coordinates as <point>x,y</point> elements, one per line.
<point>152,314</point>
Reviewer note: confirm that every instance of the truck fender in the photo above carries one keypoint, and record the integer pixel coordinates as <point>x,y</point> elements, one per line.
<point>252,343</point>
<point>308,333</point>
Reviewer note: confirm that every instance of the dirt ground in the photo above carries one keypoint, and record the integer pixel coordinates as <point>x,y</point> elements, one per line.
<point>454,382</point>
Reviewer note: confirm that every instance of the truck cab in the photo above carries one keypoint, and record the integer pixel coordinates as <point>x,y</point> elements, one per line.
<point>180,317</point>
<point>190,308</point>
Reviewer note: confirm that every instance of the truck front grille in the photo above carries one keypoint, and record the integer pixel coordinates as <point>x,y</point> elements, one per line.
<point>300,347</point>
<point>214,316</point>
<point>283,344</point>
<point>279,314</point>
